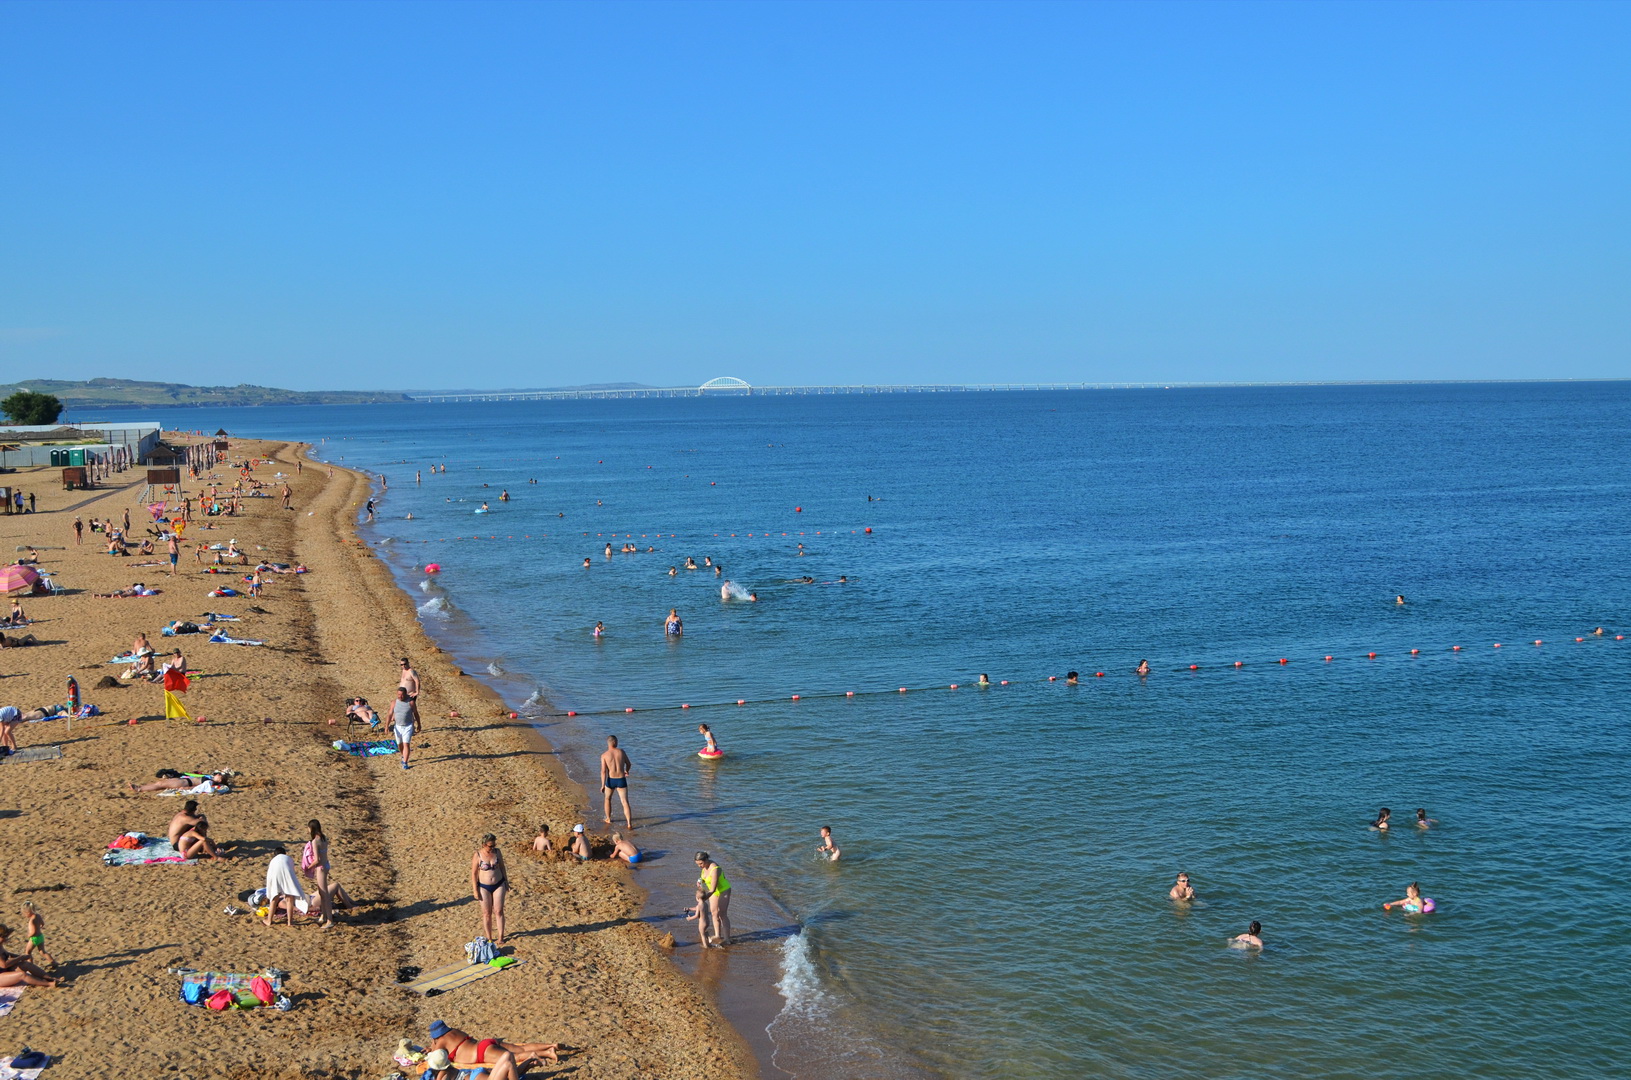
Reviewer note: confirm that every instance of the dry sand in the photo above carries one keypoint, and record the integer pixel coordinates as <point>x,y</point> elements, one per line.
<point>594,977</point>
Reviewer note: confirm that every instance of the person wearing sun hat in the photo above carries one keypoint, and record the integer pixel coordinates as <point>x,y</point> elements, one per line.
<point>463,1051</point>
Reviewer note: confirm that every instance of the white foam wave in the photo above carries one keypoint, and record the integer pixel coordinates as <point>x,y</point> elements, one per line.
<point>800,983</point>
<point>434,608</point>
<point>534,700</point>
<point>424,586</point>
<point>494,670</point>
<point>732,591</point>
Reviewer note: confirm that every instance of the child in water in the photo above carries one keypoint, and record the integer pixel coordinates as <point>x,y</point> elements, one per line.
<point>828,848</point>
<point>712,748</point>
<point>1422,820</point>
<point>1414,903</point>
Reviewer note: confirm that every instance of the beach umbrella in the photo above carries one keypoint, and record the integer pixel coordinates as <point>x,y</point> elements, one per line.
<point>17,577</point>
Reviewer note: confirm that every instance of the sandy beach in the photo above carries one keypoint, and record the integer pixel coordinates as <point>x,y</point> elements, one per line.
<point>592,976</point>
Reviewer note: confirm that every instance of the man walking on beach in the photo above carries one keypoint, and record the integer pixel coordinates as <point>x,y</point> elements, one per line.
<point>614,776</point>
<point>173,544</point>
<point>409,680</point>
<point>404,722</point>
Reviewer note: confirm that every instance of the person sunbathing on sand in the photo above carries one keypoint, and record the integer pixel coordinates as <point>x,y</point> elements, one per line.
<point>181,783</point>
<point>196,841</point>
<point>185,819</point>
<point>16,971</point>
<point>466,1050</point>
<point>18,641</point>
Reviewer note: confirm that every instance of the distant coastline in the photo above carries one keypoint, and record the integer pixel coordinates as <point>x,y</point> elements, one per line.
<point>136,394</point>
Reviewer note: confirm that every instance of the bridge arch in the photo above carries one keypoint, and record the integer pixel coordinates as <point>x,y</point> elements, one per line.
<point>726,382</point>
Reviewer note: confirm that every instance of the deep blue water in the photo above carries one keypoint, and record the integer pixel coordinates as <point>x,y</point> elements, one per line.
<point>1001,906</point>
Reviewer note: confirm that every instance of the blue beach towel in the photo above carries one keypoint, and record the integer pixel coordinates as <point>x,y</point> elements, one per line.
<point>368,747</point>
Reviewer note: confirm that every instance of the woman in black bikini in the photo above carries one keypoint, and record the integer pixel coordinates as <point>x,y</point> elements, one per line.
<point>489,883</point>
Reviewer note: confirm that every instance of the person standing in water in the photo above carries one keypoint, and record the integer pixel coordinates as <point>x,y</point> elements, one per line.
<point>600,629</point>
<point>614,776</point>
<point>713,903</point>
<point>1422,820</point>
<point>828,848</point>
<point>1181,890</point>
<point>672,625</point>
<point>1382,815</point>
<point>1251,939</point>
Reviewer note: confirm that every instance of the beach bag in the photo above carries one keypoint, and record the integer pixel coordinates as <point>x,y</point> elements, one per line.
<point>480,951</point>
<point>192,993</point>
<point>221,999</point>
<point>308,857</point>
<point>261,989</point>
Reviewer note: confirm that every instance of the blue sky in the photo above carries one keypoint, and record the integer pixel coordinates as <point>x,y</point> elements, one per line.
<point>438,195</point>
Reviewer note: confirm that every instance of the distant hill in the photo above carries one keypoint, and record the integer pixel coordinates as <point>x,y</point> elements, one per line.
<point>132,393</point>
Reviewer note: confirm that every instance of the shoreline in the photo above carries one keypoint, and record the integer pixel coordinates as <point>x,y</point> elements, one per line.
<point>745,990</point>
<point>593,976</point>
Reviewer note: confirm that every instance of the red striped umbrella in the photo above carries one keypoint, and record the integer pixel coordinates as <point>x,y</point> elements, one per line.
<point>14,578</point>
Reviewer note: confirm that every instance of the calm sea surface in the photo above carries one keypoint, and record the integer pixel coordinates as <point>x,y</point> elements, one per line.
<point>1000,909</point>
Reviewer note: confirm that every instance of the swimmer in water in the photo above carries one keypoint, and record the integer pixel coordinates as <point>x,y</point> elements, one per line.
<point>1182,890</point>
<point>753,598</point>
<point>1414,903</point>
<point>1423,821</point>
<point>1380,824</point>
<point>828,847</point>
<point>719,571</point>
<point>1398,599</point>
<point>484,506</point>
<point>707,560</point>
<point>673,571</point>
<point>586,563</point>
<point>608,551</point>
<point>1143,667</point>
<point>1599,631</point>
<point>690,563</point>
<point>672,625</point>
<point>842,580</point>
<point>600,628</point>
<point>410,517</point>
<point>1251,939</point>
<point>985,680</point>
<point>725,591</point>
<point>712,747</point>
<point>1070,678</point>
<point>504,496</point>
<point>807,580</point>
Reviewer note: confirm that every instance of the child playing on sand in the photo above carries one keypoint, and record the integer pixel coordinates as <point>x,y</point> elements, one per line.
<point>34,926</point>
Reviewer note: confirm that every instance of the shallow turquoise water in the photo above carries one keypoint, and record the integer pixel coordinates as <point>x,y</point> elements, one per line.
<point>1000,910</point>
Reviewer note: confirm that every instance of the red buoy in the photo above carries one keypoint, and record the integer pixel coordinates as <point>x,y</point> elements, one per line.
<point>849,693</point>
<point>1098,674</point>
<point>1371,655</point>
<point>739,701</point>
<point>1497,645</point>
<point>1283,660</point>
<point>869,528</point>
<point>1328,659</point>
<point>1239,664</point>
<point>685,706</point>
<point>1455,648</point>
<point>1194,667</point>
<point>570,713</point>
<point>795,697</point>
<point>798,509</point>
<point>628,710</point>
<point>1415,652</point>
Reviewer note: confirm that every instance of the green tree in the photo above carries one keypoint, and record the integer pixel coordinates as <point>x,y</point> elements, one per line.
<point>27,407</point>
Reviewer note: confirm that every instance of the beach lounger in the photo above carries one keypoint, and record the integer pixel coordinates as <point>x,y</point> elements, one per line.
<point>32,753</point>
<point>452,977</point>
<point>154,849</point>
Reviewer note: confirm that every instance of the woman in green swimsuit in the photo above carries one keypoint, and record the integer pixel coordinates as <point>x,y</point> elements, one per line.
<point>713,902</point>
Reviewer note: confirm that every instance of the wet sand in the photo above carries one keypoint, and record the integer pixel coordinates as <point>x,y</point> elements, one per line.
<point>594,976</point>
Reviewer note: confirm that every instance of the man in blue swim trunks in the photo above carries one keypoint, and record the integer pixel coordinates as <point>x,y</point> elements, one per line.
<point>614,776</point>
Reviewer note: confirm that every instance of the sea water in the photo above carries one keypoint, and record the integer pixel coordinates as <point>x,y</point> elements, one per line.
<point>1000,908</point>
